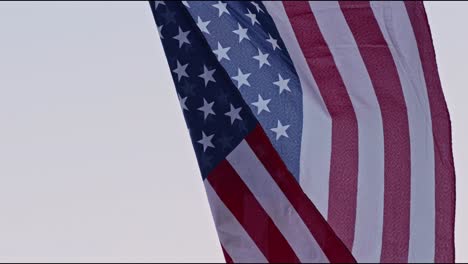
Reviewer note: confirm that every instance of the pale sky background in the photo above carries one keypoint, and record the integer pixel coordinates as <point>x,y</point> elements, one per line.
<point>96,163</point>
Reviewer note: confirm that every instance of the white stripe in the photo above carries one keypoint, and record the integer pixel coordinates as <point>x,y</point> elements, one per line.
<point>274,202</point>
<point>397,29</point>
<point>316,130</point>
<point>370,196</point>
<point>233,237</point>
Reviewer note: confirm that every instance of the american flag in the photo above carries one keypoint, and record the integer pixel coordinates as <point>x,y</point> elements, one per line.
<point>320,128</point>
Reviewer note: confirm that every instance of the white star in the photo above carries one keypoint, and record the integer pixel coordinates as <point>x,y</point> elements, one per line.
<point>234,114</point>
<point>182,102</point>
<point>241,78</point>
<point>185,3</point>
<point>182,37</point>
<point>262,58</point>
<point>262,104</point>
<point>222,8</point>
<point>160,31</point>
<point>222,52</point>
<point>274,42</point>
<point>253,17</point>
<point>207,75</point>
<point>257,6</point>
<point>202,25</point>
<point>280,130</point>
<point>206,141</point>
<point>181,71</point>
<point>282,84</point>
<point>157,3</point>
<point>207,109</point>
<point>242,32</point>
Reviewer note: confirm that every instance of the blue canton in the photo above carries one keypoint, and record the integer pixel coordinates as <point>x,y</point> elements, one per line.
<point>248,56</point>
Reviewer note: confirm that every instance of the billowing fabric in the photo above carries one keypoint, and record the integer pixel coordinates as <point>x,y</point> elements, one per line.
<point>320,128</point>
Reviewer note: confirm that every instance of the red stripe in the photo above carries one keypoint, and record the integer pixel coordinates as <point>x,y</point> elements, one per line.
<point>441,130</point>
<point>331,245</point>
<point>344,152</point>
<point>250,214</point>
<point>226,256</point>
<point>384,76</point>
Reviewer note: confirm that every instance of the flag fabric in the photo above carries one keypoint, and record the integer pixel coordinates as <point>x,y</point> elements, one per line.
<point>320,128</point>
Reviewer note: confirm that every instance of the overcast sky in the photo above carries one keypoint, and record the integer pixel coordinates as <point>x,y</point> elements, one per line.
<point>96,163</point>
